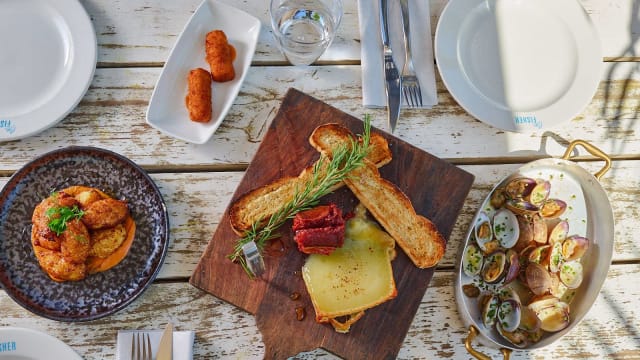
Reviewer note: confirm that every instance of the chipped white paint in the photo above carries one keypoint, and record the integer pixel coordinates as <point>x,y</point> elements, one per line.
<point>134,39</point>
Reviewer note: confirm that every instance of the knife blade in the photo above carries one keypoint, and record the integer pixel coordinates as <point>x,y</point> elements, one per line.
<point>165,350</point>
<point>391,75</point>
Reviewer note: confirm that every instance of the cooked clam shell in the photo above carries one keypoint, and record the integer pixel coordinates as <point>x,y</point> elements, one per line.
<point>495,267</point>
<point>505,228</point>
<point>483,231</point>
<point>540,255</point>
<point>574,247</point>
<point>521,207</point>
<point>520,188</point>
<point>517,337</point>
<point>553,313</point>
<point>472,260</point>
<point>513,261</point>
<point>540,231</point>
<point>529,321</point>
<point>555,257</point>
<point>538,278</point>
<point>498,197</point>
<point>559,232</point>
<point>490,310</point>
<point>571,274</point>
<point>553,208</point>
<point>509,315</point>
<point>540,193</point>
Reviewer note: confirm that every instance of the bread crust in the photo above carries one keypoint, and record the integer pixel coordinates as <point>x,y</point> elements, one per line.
<point>416,235</point>
<point>260,204</point>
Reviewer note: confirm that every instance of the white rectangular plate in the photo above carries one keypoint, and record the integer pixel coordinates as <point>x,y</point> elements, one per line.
<point>167,111</point>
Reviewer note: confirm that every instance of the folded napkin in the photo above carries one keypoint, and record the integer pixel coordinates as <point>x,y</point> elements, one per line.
<point>373,87</point>
<point>182,343</point>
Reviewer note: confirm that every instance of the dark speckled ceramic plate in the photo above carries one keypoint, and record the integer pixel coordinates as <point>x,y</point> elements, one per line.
<point>101,294</point>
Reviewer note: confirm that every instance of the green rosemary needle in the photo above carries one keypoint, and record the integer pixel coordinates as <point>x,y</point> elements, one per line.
<point>326,174</point>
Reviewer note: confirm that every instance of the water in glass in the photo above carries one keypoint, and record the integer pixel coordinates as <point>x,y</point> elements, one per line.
<point>305,28</point>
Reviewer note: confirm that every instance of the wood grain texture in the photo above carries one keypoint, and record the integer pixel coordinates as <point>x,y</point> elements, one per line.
<point>112,116</point>
<point>144,32</point>
<point>609,331</point>
<point>285,152</point>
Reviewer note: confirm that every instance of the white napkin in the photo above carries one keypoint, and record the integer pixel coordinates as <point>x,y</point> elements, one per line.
<point>182,343</point>
<point>373,87</point>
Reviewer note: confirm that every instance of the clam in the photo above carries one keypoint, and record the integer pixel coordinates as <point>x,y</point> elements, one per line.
<point>521,207</point>
<point>526,232</point>
<point>472,260</point>
<point>505,228</point>
<point>483,231</point>
<point>513,262</point>
<point>520,188</point>
<point>529,321</point>
<point>540,255</point>
<point>574,247</point>
<point>558,289</point>
<point>490,310</point>
<point>495,267</point>
<point>498,197</point>
<point>571,274</point>
<point>553,313</point>
<point>539,229</point>
<point>538,278</point>
<point>540,193</point>
<point>507,293</point>
<point>553,208</point>
<point>517,337</point>
<point>555,257</point>
<point>509,315</point>
<point>559,232</point>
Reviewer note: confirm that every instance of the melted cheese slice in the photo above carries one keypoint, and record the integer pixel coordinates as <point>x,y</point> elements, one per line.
<point>356,276</point>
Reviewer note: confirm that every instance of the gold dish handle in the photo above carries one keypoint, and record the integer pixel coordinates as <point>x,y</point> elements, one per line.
<point>593,151</point>
<point>473,332</point>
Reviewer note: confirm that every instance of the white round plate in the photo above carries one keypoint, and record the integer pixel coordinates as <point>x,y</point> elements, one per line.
<point>27,344</point>
<point>519,65</point>
<point>47,61</point>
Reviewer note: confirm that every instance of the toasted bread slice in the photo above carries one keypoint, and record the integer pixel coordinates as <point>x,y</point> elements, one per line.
<point>416,235</point>
<point>261,203</point>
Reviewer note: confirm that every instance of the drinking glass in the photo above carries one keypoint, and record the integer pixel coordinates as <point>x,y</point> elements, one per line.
<point>305,28</point>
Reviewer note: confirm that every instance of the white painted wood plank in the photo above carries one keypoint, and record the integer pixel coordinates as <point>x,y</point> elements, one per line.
<point>197,201</point>
<point>144,31</point>
<point>609,330</point>
<point>112,116</point>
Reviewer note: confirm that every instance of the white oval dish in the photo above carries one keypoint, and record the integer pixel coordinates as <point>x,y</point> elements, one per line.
<point>167,111</point>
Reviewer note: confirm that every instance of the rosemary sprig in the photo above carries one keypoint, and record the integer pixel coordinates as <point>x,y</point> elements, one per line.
<point>326,174</point>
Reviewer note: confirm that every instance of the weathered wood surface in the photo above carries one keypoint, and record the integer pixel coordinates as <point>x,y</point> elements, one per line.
<point>144,31</point>
<point>115,106</point>
<point>609,331</point>
<point>197,181</point>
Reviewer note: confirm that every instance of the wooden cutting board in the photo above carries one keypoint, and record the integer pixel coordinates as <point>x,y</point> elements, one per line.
<point>436,188</point>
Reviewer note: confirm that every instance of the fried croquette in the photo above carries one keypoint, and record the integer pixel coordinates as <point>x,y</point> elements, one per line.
<point>219,55</point>
<point>105,213</point>
<point>198,100</point>
<point>59,267</point>
<point>106,241</point>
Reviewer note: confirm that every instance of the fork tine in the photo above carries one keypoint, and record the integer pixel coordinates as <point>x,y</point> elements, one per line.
<point>419,95</point>
<point>148,346</point>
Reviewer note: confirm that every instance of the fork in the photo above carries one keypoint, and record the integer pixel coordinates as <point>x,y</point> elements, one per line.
<point>408,79</point>
<point>140,348</point>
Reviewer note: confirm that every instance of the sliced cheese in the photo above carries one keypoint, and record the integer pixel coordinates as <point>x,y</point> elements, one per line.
<point>355,277</point>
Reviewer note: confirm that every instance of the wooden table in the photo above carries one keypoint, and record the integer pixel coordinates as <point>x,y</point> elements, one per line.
<point>135,38</point>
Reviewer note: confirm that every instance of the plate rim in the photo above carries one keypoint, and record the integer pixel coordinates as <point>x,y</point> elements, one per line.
<point>211,127</point>
<point>588,83</point>
<point>85,54</point>
<point>53,343</point>
<point>87,150</point>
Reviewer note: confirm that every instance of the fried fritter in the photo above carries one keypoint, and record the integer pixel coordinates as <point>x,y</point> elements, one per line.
<point>88,197</point>
<point>105,213</point>
<point>106,241</point>
<point>58,267</point>
<point>75,244</point>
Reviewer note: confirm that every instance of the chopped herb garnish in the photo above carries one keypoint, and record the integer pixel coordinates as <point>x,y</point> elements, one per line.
<point>60,215</point>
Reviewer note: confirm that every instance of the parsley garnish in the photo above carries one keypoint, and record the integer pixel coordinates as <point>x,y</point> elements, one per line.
<point>60,215</point>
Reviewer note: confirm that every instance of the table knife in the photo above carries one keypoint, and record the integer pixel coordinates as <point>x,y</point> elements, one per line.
<point>165,350</point>
<point>391,75</point>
